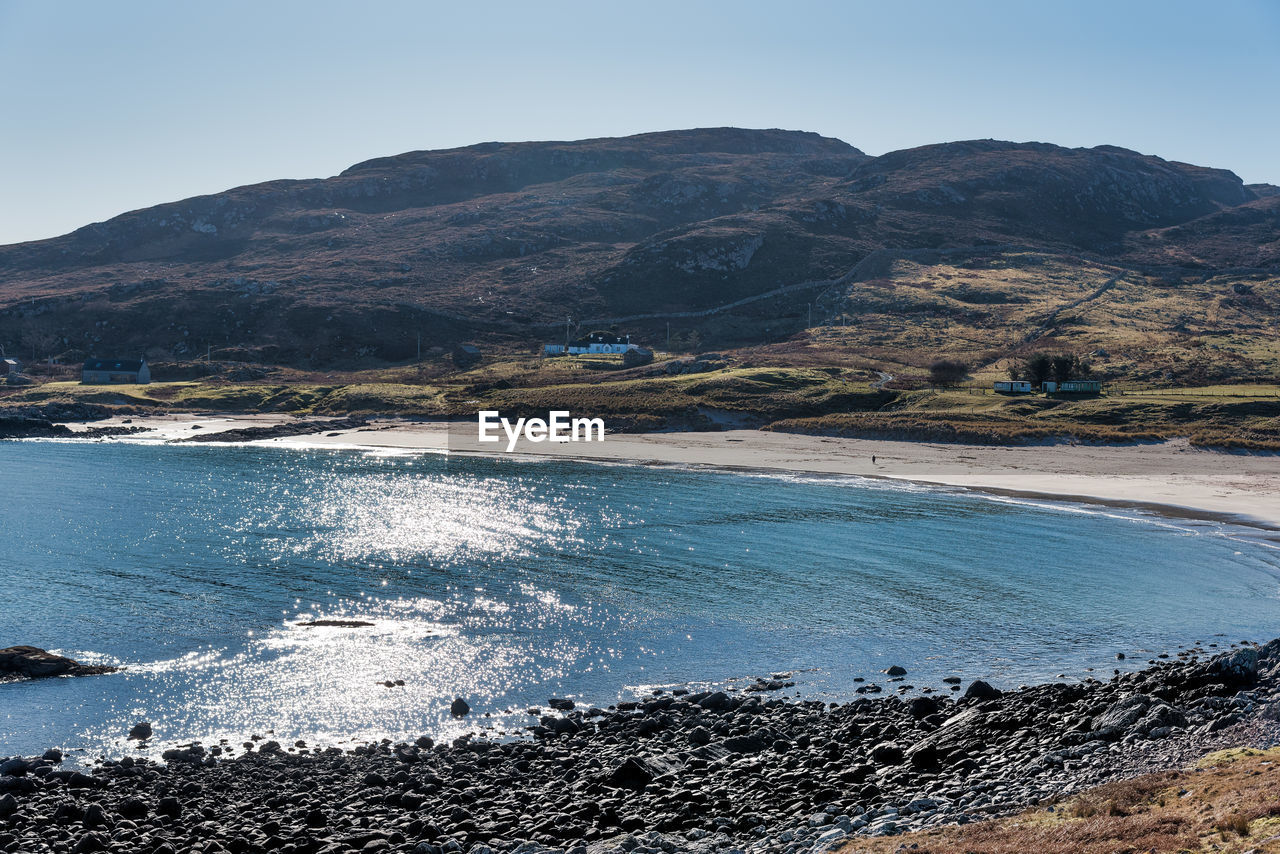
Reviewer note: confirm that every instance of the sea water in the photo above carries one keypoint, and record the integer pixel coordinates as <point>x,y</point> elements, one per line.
<point>508,582</point>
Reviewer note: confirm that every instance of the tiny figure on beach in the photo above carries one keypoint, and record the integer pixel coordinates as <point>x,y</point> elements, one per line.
<point>873,459</point>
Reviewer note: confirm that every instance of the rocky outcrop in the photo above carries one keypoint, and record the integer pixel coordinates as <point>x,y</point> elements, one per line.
<point>30,427</point>
<point>278,431</point>
<point>30,662</point>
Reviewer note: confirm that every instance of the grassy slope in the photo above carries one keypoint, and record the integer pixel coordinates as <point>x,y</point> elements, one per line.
<point>826,400</point>
<point>989,310</point>
<point>1229,802</point>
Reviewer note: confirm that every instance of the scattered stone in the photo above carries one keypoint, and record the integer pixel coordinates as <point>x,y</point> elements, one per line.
<point>979,690</point>
<point>888,753</point>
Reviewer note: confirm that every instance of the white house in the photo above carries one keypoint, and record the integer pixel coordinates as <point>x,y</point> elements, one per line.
<point>596,342</point>
<point>9,366</point>
<point>103,371</point>
<point>1012,387</point>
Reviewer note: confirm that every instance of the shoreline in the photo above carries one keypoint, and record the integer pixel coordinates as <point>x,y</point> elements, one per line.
<point>679,770</point>
<point>1170,478</point>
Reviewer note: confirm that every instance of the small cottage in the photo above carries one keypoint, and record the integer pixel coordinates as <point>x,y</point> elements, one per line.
<point>9,366</point>
<point>466,355</point>
<point>1012,387</point>
<point>110,371</point>
<point>596,342</point>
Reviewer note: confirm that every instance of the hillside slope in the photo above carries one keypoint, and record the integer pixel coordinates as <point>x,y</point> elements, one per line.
<point>500,242</point>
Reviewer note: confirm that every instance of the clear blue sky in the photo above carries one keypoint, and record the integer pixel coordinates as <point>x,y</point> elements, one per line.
<point>111,106</point>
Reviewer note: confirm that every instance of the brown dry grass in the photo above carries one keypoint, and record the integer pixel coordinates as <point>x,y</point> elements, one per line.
<point>829,401</point>
<point>1230,802</point>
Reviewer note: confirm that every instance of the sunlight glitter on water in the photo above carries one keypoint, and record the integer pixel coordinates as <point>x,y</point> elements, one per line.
<point>438,517</point>
<point>298,681</point>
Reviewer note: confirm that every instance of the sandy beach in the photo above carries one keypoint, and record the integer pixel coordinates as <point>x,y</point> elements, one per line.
<point>1170,476</point>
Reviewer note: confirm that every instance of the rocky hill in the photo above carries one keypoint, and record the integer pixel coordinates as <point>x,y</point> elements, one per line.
<point>734,233</point>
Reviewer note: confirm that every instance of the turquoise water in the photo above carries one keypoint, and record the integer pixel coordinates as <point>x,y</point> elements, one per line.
<point>509,582</point>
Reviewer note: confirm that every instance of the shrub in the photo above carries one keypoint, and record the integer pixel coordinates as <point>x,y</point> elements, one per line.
<point>948,372</point>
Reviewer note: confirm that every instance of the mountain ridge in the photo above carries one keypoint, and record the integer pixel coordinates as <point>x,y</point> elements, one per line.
<point>501,239</point>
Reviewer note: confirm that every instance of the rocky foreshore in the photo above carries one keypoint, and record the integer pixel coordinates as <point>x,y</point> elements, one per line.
<point>674,772</point>
<point>278,431</point>
<point>33,427</point>
<point>50,420</point>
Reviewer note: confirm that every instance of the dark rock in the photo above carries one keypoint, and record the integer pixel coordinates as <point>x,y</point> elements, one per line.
<point>90,842</point>
<point>1235,668</point>
<point>564,726</point>
<point>84,781</point>
<point>133,809</point>
<point>888,753</point>
<point>715,702</point>
<point>31,427</point>
<point>15,766</point>
<point>979,690</point>
<point>140,731</point>
<point>30,662</point>
<point>633,773</point>
<point>745,744</point>
<point>895,670</point>
<point>924,756</point>
<point>459,707</point>
<point>190,753</point>
<point>16,784</point>
<point>922,707</point>
<point>1220,723</point>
